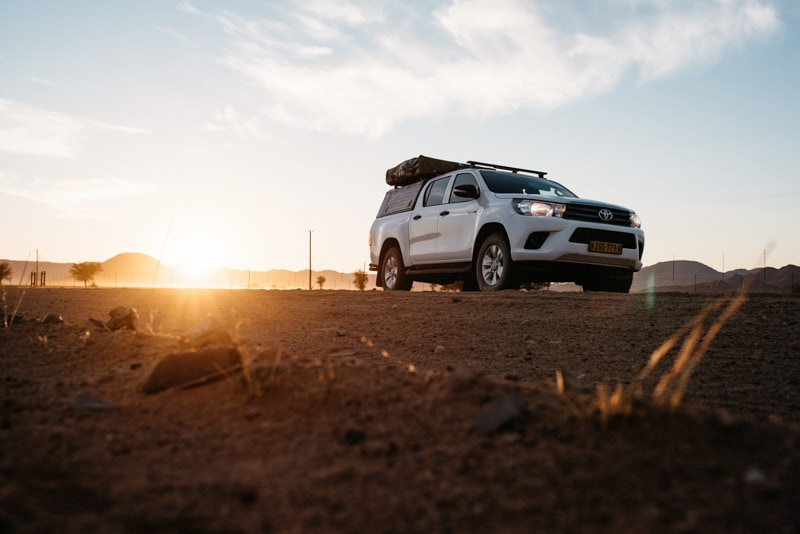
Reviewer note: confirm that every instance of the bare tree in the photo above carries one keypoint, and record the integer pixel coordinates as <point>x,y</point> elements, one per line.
<point>360,279</point>
<point>85,271</point>
<point>321,281</point>
<point>5,272</point>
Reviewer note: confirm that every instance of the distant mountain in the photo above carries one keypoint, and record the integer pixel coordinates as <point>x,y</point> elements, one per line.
<point>692,276</point>
<point>21,271</point>
<point>132,269</point>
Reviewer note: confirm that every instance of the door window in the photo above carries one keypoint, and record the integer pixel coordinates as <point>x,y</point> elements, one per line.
<point>434,196</point>
<point>462,179</point>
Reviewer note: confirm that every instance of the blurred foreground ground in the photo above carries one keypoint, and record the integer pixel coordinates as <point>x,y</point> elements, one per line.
<point>370,411</point>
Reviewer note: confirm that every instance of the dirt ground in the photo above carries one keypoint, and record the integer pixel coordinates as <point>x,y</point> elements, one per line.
<point>412,412</point>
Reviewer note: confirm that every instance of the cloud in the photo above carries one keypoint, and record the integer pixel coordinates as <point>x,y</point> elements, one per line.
<point>231,121</point>
<point>174,34</point>
<point>91,198</point>
<point>361,69</point>
<point>684,37</point>
<point>42,81</point>
<point>28,130</point>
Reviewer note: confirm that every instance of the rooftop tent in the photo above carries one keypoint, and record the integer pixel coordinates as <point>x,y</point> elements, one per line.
<point>419,168</point>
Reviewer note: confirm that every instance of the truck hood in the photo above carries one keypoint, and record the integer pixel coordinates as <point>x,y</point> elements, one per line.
<point>563,200</point>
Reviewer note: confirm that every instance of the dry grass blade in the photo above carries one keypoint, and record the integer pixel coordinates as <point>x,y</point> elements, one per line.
<point>697,354</point>
<point>694,339</point>
<point>8,319</point>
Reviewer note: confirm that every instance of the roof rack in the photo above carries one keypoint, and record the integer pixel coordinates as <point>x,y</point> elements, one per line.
<point>505,168</point>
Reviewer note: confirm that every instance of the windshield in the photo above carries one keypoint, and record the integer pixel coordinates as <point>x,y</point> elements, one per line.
<point>523,184</point>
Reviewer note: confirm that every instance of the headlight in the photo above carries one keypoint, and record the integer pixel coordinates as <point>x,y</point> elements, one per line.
<point>538,209</point>
<point>636,222</point>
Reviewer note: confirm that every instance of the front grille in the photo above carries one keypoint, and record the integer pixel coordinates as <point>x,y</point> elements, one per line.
<point>584,235</point>
<point>591,213</point>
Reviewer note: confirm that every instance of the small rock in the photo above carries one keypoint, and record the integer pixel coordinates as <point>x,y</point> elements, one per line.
<point>122,317</point>
<point>52,317</point>
<point>353,437</point>
<point>194,367</point>
<point>501,415</point>
<point>755,476</point>
<point>98,323</point>
<point>209,331</point>
<point>84,402</point>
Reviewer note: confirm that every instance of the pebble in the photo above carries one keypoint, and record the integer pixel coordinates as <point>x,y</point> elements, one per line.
<point>209,331</point>
<point>501,415</point>
<point>52,317</point>
<point>193,367</point>
<point>123,317</point>
<point>84,402</point>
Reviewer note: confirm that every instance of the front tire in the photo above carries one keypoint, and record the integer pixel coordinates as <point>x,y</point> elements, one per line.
<point>393,272</point>
<point>493,266</point>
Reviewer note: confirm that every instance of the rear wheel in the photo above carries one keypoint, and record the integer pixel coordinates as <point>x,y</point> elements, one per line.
<point>493,266</point>
<point>393,272</point>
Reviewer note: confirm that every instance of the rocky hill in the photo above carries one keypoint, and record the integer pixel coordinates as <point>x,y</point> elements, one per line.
<point>692,276</point>
<point>132,269</point>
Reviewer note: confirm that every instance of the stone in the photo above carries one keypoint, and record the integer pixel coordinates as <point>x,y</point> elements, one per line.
<point>504,414</point>
<point>52,317</point>
<point>209,331</point>
<point>84,402</point>
<point>194,367</point>
<point>122,317</point>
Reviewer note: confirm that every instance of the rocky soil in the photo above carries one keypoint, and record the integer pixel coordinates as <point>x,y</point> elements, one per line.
<point>379,412</point>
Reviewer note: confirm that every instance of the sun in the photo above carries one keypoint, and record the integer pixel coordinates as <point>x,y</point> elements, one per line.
<point>195,250</point>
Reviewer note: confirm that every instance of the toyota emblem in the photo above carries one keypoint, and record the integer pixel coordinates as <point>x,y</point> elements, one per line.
<point>605,214</point>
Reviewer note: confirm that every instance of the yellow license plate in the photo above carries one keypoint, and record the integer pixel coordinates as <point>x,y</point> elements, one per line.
<point>605,247</point>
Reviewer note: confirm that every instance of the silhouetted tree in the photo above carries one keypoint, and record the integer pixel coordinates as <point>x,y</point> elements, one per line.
<point>85,271</point>
<point>5,272</point>
<point>321,281</point>
<point>360,279</point>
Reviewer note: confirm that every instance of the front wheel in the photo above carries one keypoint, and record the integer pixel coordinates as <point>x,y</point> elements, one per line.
<point>393,272</point>
<point>493,266</point>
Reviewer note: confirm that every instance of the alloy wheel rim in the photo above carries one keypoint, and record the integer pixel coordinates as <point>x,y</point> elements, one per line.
<point>390,273</point>
<point>492,265</point>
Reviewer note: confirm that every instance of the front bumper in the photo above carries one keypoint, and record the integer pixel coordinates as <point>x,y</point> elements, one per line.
<point>560,240</point>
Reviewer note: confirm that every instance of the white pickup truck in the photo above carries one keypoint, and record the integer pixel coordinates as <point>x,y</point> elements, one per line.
<point>496,227</point>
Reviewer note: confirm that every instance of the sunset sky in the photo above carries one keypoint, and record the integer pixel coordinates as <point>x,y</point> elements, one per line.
<point>222,132</point>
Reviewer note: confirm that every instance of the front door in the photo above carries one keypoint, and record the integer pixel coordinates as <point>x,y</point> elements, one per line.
<point>423,231</point>
<point>457,223</point>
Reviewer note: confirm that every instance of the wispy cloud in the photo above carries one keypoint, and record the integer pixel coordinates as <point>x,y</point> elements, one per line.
<point>174,34</point>
<point>30,130</point>
<point>42,81</point>
<point>363,67</point>
<point>91,198</point>
<point>231,121</point>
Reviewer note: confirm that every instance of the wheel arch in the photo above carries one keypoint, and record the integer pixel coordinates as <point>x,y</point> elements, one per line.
<point>484,232</point>
<point>387,244</point>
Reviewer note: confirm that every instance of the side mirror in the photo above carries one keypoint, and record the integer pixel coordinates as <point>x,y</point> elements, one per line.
<point>466,191</point>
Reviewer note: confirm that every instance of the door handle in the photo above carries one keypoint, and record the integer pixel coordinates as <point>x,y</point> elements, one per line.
<point>417,217</point>
<point>445,212</point>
